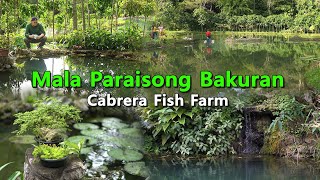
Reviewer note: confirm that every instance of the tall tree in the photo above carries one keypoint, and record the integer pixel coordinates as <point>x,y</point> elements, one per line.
<point>83,16</point>
<point>74,14</point>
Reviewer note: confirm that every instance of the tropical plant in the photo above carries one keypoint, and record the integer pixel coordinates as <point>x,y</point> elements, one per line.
<point>285,109</point>
<point>49,120</point>
<point>186,130</point>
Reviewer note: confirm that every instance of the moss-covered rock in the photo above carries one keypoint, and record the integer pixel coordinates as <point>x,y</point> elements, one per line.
<point>272,143</point>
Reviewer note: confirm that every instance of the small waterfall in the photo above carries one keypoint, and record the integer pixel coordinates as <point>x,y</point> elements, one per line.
<point>251,144</point>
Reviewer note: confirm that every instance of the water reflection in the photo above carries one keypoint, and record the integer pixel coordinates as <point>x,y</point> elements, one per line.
<point>240,168</point>
<point>288,59</point>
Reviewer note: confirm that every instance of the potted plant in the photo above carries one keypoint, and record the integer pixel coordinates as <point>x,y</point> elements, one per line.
<point>48,122</point>
<point>56,156</point>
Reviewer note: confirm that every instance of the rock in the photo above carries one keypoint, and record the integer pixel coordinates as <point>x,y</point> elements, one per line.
<point>81,104</point>
<point>7,66</point>
<point>33,170</point>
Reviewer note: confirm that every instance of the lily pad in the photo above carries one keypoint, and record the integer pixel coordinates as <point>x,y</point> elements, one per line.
<point>85,126</point>
<point>26,139</point>
<point>113,123</point>
<point>88,140</point>
<point>122,142</point>
<point>137,169</point>
<point>97,133</point>
<point>132,132</point>
<point>86,150</point>
<point>125,155</point>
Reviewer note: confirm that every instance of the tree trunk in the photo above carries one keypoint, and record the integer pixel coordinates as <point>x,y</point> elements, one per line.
<point>0,8</point>
<point>53,21</point>
<point>117,9</point>
<point>74,14</point>
<point>66,18</point>
<point>111,24</point>
<point>88,15</point>
<point>144,25</point>
<point>83,16</point>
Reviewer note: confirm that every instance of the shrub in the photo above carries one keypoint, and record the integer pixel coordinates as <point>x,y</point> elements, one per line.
<point>49,121</point>
<point>186,130</point>
<point>285,108</point>
<point>125,39</point>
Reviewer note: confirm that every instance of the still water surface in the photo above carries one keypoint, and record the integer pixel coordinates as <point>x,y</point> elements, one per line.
<point>292,60</point>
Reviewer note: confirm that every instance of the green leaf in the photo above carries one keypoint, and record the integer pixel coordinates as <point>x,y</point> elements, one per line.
<point>182,121</point>
<point>190,114</point>
<point>165,126</point>
<point>15,175</point>
<point>164,138</point>
<point>180,112</point>
<point>5,165</point>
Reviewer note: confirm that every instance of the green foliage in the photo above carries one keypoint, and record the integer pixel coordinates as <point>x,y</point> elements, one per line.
<point>125,39</point>
<point>13,176</point>
<point>312,78</point>
<point>50,152</point>
<point>49,121</point>
<point>60,152</point>
<point>195,130</point>
<point>285,108</point>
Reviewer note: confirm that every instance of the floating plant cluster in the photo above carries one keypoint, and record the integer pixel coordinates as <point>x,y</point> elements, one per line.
<point>112,148</point>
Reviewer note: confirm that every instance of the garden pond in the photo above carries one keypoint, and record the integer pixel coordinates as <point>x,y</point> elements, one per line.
<point>111,141</point>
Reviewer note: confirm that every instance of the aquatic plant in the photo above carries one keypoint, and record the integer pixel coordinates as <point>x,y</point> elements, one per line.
<point>85,126</point>
<point>49,121</point>
<point>23,139</point>
<point>137,169</point>
<point>125,154</point>
<point>113,123</point>
<point>96,133</point>
<point>89,141</point>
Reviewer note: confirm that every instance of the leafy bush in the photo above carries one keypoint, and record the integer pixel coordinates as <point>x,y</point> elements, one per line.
<point>125,39</point>
<point>312,78</point>
<point>285,108</point>
<point>48,121</point>
<point>186,131</point>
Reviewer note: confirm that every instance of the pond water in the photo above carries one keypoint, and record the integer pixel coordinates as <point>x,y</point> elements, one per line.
<point>292,60</point>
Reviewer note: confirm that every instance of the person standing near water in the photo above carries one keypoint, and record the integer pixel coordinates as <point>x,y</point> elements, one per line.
<point>35,34</point>
<point>208,35</point>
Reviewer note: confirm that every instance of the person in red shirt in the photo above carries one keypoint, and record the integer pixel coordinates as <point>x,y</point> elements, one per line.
<point>208,34</point>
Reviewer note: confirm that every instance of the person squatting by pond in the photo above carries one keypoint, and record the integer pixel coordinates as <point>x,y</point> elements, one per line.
<point>35,34</point>
<point>154,32</point>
